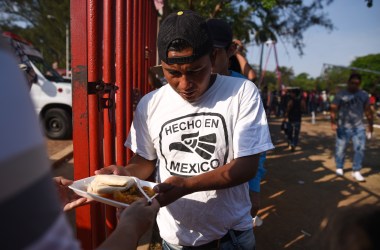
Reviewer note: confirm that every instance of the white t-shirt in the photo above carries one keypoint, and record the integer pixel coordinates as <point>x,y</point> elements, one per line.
<point>226,122</point>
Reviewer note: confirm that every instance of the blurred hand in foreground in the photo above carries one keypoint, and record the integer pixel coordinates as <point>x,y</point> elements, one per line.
<point>69,199</point>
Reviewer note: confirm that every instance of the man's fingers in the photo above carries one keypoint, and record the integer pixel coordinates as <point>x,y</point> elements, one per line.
<point>62,181</point>
<point>76,203</point>
<point>162,187</point>
<point>107,170</point>
<point>155,205</point>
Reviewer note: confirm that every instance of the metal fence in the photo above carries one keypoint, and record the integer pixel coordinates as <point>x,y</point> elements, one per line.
<point>113,45</point>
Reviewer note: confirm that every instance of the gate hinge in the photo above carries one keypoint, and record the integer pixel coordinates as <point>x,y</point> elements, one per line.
<point>100,88</point>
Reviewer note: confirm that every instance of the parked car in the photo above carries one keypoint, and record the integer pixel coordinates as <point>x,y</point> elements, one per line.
<point>51,93</point>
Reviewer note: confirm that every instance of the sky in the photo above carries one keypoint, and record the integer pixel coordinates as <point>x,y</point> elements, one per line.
<point>356,33</point>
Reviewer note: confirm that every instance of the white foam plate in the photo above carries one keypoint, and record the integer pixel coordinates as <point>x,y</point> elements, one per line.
<point>80,188</point>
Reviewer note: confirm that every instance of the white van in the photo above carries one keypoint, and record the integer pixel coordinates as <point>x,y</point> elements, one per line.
<point>51,93</point>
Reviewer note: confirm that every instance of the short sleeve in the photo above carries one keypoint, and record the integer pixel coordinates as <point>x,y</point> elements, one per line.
<point>366,99</point>
<point>336,100</point>
<point>251,133</point>
<point>139,139</point>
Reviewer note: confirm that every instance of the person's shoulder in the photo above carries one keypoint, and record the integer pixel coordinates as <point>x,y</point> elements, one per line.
<point>154,95</point>
<point>234,82</point>
<point>364,93</point>
<point>236,74</point>
<point>238,86</point>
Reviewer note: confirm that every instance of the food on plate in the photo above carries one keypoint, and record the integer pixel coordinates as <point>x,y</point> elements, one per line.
<point>106,185</point>
<point>119,188</point>
<point>132,194</point>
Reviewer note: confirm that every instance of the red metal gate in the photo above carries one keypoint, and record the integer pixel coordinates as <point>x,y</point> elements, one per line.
<point>113,46</point>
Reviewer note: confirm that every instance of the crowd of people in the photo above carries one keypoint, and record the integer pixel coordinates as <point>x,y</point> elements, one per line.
<point>208,149</point>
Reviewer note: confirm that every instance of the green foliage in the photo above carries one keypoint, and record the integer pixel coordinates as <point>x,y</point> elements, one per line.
<point>41,22</point>
<point>260,20</point>
<point>304,81</point>
<point>372,62</point>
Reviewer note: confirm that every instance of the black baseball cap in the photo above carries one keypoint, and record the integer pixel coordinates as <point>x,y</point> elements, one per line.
<point>221,32</point>
<point>188,26</point>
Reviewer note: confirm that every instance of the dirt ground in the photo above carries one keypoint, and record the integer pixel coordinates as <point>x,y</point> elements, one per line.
<point>301,192</point>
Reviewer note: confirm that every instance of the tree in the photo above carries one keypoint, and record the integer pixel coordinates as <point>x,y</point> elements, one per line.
<point>261,20</point>
<point>371,62</point>
<point>304,81</point>
<point>41,22</point>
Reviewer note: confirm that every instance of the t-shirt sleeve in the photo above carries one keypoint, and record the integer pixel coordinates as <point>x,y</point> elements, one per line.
<point>251,133</point>
<point>336,100</point>
<point>139,139</point>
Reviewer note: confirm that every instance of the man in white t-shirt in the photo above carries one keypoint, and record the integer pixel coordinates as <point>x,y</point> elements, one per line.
<point>207,132</point>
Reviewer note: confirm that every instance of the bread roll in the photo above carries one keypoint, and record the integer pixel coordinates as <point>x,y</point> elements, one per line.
<point>107,184</point>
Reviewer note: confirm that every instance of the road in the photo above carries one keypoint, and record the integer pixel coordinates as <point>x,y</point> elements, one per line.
<point>301,191</point>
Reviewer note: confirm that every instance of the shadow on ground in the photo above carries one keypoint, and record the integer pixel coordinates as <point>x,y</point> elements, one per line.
<point>301,190</point>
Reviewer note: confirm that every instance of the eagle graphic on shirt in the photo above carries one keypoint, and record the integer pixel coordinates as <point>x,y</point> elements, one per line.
<point>202,145</point>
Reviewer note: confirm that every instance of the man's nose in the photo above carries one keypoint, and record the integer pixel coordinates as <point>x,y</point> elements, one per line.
<point>185,82</point>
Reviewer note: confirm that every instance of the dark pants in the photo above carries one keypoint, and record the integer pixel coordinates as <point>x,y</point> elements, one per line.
<point>293,133</point>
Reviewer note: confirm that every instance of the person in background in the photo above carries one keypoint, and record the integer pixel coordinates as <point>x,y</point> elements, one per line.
<point>294,109</point>
<point>30,211</point>
<point>347,112</point>
<point>224,48</point>
<point>238,62</point>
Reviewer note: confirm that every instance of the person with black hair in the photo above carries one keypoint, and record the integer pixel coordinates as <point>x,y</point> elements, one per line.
<point>224,47</point>
<point>293,113</point>
<point>199,126</point>
<point>351,104</point>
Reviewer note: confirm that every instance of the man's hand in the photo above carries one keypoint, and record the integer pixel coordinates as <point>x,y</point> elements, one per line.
<point>69,199</point>
<point>255,200</point>
<point>370,128</point>
<point>171,190</point>
<point>135,220</point>
<point>139,216</point>
<point>333,126</point>
<point>113,169</point>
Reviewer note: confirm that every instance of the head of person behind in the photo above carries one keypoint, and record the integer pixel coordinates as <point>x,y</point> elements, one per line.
<point>223,46</point>
<point>354,82</point>
<point>184,47</point>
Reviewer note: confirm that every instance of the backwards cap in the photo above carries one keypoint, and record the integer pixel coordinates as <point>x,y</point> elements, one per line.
<point>188,26</point>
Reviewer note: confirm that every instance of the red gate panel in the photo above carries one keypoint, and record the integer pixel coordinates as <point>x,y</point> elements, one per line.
<point>109,39</point>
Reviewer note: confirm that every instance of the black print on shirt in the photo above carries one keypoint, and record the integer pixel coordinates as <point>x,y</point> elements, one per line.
<point>202,145</point>
<point>194,144</point>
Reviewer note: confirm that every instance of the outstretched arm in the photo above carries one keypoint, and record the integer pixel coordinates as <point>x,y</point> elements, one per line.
<point>333,110</point>
<point>134,222</point>
<point>138,166</point>
<point>236,172</point>
<point>369,115</point>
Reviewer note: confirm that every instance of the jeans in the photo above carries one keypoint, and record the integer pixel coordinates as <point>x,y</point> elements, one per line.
<point>343,137</point>
<point>245,241</point>
<point>293,132</point>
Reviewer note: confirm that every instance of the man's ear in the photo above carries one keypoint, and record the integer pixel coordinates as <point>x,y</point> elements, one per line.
<point>213,57</point>
<point>232,50</point>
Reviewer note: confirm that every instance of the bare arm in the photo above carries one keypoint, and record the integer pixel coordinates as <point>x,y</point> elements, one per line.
<point>303,105</point>
<point>134,222</point>
<point>247,70</point>
<point>138,166</point>
<point>288,108</point>
<point>369,115</point>
<point>236,172</point>
<point>333,110</point>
